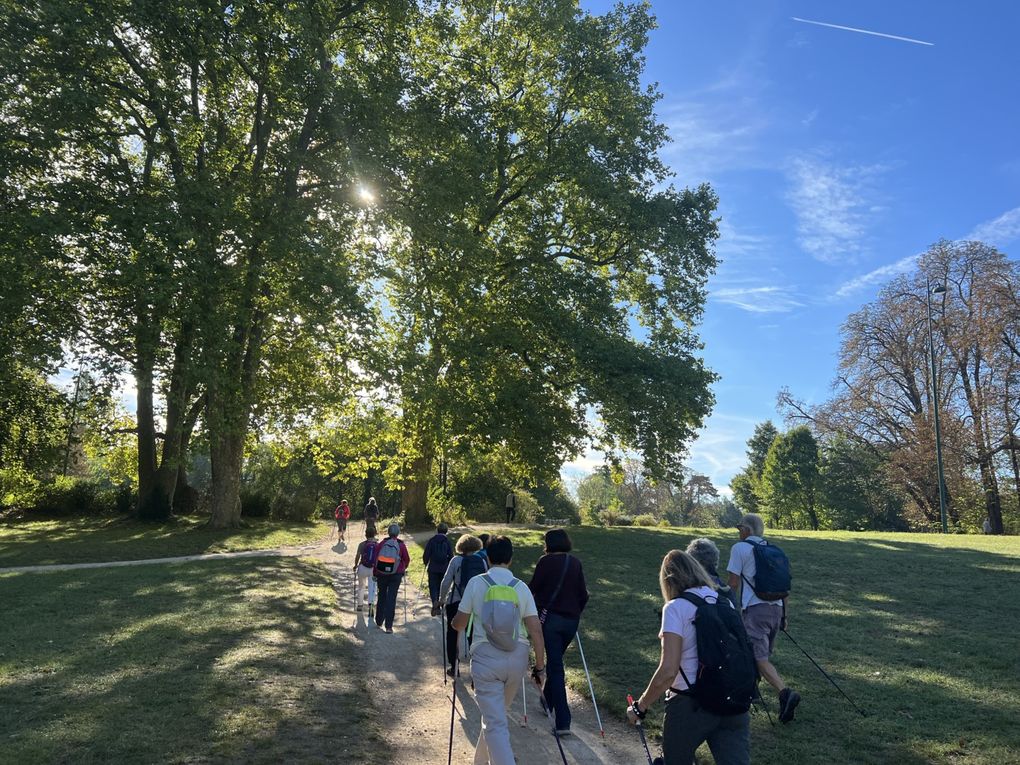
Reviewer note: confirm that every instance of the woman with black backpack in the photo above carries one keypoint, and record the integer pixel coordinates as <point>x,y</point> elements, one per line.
<point>715,708</point>
<point>467,563</point>
<point>560,595</point>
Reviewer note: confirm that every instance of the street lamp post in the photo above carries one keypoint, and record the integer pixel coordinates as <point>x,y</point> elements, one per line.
<point>936,289</point>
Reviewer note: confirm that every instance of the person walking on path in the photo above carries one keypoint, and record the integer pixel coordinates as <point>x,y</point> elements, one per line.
<point>436,557</point>
<point>686,723</point>
<point>705,552</point>
<point>511,507</point>
<point>391,561</point>
<point>484,552</point>
<point>372,512</point>
<point>497,669</point>
<point>364,563</point>
<point>763,619</point>
<point>464,566</point>
<point>342,513</point>
<point>560,595</point>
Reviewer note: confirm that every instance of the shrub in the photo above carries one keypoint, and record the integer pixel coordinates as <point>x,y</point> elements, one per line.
<point>255,504</point>
<point>73,496</point>
<point>443,508</point>
<point>294,508</point>
<point>646,519</point>
<point>625,520</point>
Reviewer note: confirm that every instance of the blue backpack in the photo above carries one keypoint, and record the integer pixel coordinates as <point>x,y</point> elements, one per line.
<point>772,578</point>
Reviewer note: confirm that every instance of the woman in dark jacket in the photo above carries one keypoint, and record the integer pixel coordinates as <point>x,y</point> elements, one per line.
<point>561,595</point>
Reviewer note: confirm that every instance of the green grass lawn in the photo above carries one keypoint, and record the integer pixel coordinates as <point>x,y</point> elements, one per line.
<point>920,630</point>
<point>87,540</point>
<point>240,661</point>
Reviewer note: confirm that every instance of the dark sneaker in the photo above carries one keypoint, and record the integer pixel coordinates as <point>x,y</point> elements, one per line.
<point>389,630</point>
<point>563,731</point>
<point>788,701</point>
<point>451,672</point>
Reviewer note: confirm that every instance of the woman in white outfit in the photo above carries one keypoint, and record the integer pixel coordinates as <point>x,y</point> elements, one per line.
<point>364,563</point>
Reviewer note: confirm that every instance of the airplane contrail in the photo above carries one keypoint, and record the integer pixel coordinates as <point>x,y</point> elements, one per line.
<point>863,31</point>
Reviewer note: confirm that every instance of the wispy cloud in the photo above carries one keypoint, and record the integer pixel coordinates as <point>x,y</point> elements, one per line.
<point>877,276</point>
<point>710,136</point>
<point>771,299</point>
<point>998,232</point>
<point>863,31</point>
<point>833,205</point>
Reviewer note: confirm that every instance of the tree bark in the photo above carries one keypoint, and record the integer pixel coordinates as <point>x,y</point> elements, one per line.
<point>226,451</point>
<point>153,504</point>
<point>413,498</point>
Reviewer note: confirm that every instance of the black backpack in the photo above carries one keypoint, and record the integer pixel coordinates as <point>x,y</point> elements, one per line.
<point>772,579</point>
<point>727,675</point>
<point>471,566</point>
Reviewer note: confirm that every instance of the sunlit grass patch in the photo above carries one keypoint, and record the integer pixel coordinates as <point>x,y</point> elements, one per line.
<point>88,540</point>
<point>179,663</point>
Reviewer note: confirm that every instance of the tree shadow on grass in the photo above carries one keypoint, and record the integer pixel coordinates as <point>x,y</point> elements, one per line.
<point>221,661</point>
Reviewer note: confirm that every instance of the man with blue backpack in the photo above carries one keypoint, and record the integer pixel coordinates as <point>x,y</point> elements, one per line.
<point>760,574</point>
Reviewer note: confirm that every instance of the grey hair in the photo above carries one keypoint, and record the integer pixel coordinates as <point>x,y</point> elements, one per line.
<point>705,552</point>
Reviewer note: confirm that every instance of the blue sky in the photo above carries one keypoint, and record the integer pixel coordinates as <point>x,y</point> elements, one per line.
<point>837,156</point>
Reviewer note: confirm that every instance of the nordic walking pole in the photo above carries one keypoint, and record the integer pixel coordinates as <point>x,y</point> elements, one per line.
<point>825,673</point>
<point>640,730</point>
<point>590,686</point>
<point>552,722</point>
<point>405,600</point>
<point>442,628</point>
<point>524,694</point>
<point>453,712</point>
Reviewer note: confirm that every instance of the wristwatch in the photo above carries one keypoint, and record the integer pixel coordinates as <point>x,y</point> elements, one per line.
<point>637,711</point>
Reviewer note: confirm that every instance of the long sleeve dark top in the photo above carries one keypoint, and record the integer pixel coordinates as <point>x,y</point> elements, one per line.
<point>573,595</point>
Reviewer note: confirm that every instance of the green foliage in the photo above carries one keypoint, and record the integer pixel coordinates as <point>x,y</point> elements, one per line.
<point>443,508</point>
<point>790,481</point>
<point>646,519</point>
<point>255,504</point>
<point>64,497</point>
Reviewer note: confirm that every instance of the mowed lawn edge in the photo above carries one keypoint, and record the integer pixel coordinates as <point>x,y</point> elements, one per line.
<point>917,628</point>
<point>98,540</point>
<point>233,660</point>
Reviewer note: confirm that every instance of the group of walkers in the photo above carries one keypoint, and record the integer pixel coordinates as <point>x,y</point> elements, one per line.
<point>716,640</point>
<point>716,637</point>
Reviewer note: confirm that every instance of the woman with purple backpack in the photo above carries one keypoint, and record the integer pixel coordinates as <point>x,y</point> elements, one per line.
<point>364,563</point>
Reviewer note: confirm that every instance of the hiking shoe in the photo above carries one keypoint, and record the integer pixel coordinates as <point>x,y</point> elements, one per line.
<point>563,731</point>
<point>788,701</point>
<point>451,672</point>
<point>358,608</point>
<point>435,609</point>
<point>389,630</point>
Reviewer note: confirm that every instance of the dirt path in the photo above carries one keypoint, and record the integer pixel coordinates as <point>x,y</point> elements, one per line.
<point>408,674</point>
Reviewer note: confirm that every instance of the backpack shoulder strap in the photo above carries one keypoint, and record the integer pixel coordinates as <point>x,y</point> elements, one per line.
<point>697,600</point>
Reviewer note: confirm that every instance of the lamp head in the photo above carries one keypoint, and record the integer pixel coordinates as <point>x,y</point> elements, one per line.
<point>938,289</point>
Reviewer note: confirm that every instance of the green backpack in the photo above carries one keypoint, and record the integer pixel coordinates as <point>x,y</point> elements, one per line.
<point>500,615</point>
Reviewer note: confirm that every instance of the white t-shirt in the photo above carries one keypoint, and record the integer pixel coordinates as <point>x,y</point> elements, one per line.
<point>742,562</point>
<point>474,596</point>
<point>678,619</point>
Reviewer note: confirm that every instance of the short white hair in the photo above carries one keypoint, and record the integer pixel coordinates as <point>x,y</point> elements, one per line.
<point>705,552</point>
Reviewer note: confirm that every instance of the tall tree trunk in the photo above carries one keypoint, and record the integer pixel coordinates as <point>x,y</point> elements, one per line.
<point>413,498</point>
<point>152,504</point>
<point>226,451</point>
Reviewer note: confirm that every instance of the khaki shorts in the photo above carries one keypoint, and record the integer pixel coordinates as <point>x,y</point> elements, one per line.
<point>761,621</point>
